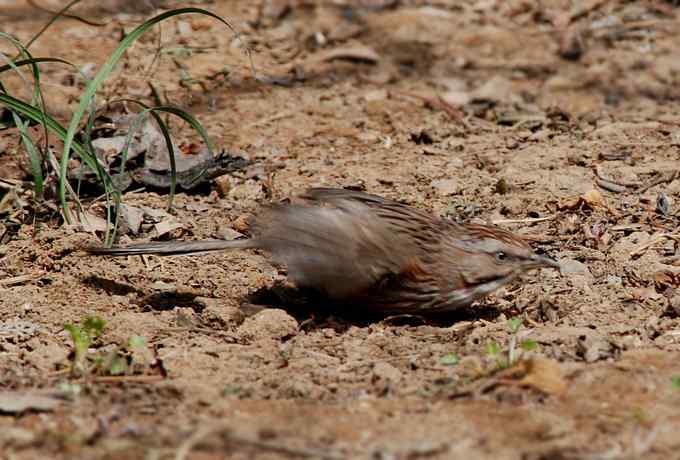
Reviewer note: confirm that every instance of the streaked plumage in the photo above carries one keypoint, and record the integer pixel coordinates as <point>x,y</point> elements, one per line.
<point>366,249</point>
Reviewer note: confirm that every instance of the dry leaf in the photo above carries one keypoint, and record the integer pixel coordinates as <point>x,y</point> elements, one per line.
<point>166,226</point>
<point>87,222</point>
<point>591,199</point>
<point>664,279</point>
<point>544,375</point>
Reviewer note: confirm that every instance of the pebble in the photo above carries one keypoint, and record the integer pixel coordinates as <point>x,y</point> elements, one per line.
<point>272,323</point>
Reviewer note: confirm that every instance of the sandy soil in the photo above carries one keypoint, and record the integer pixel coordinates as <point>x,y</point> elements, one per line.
<point>559,121</point>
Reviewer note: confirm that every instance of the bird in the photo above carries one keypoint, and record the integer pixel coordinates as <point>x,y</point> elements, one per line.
<point>368,250</point>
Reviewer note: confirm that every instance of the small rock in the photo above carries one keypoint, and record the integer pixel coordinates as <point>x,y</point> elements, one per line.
<point>184,29</point>
<point>497,88</point>
<point>386,371</point>
<point>594,349</point>
<point>375,95</point>
<point>446,187</point>
<point>614,280</point>
<point>573,266</point>
<point>119,300</point>
<point>578,272</point>
<point>216,312</point>
<point>229,234</point>
<point>250,190</point>
<point>272,323</point>
<point>163,286</point>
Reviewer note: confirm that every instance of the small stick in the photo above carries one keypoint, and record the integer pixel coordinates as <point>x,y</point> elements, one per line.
<point>127,378</point>
<point>20,279</point>
<point>529,220</point>
<point>671,236</point>
<point>662,179</point>
<point>266,120</point>
<point>611,186</point>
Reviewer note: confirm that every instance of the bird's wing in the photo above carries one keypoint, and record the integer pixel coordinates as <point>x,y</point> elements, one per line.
<point>335,242</point>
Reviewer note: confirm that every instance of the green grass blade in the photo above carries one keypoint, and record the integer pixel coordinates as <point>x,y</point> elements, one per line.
<point>38,60</point>
<point>39,116</point>
<point>33,156</point>
<point>184,115</point>
<point>103,73</point>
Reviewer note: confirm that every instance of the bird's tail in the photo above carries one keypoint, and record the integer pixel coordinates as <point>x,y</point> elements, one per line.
<point>172,248</point>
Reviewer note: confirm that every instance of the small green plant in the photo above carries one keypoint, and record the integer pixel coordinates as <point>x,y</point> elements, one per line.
<point>132,358</point>
<point>515,350</point>
<point>82,336</point>
<point>675,381</point>
<point>449,359</point>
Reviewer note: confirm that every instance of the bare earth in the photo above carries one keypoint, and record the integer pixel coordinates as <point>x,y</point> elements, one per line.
<point>495,111</point>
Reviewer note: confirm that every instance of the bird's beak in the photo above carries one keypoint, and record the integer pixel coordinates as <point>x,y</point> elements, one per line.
<point>537,261</point>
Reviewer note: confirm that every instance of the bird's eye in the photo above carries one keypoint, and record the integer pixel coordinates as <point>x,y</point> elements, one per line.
<point>501,256</point>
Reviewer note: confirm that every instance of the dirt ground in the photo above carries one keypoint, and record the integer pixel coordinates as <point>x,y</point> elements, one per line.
<point>558,120</point>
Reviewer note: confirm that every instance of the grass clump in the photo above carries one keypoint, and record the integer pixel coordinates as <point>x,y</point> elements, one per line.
<point>75,133</point>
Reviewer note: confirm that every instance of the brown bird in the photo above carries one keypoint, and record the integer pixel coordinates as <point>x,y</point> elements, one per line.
<point>388,256</point>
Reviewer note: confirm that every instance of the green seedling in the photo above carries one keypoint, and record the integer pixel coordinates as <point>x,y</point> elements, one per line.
<point>449,359</point>
<point>675,381</point>
<point>134,357</point>
<point>515,350</point>
<point>82,337</point>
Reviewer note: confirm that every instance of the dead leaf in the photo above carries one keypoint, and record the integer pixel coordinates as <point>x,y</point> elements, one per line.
<point>665,279</point>
<point>543,374</point>
<point>11,202</point>
<point>446,187</point>
<point>591,199</point>
<point>88,222</point>
<point>166,226</point>
<point>131,218</point>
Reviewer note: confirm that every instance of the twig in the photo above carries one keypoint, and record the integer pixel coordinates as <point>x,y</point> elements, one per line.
<point>608,183</point>
<point>611,186</point>
<point>127,379</point>
<point>20,279</point>
<point>529,220</point>
<point>9,184</point>
<point>670,236</point>
<point>583,10</point>
<point>264,121</point>
<point>662,179</point>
